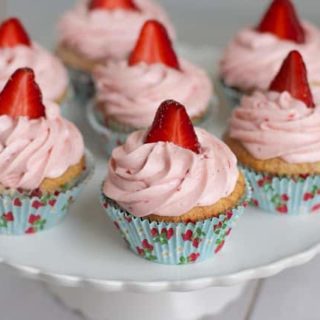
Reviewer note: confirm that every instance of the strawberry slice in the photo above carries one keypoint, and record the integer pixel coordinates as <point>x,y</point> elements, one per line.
<point>154,46</point>
<point>21,96</point>
<point>113,5</point>
<point>12,34</point>
<point>292,77</point>
<point>282,20</point>
<point>172,124</point>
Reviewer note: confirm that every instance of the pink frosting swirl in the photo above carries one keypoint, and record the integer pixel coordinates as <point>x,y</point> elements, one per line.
<point>164,179</point>
<point>102,34</point>
<point>253,59</point>
<point>273,124</point>
<point>50,72</point>
<point>132,94</point>
<point>32,150</point>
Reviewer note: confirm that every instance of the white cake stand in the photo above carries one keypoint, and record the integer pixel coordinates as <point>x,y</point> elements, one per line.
<point>87,265</point>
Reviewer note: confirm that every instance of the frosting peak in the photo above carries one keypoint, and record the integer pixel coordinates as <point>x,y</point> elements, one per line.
<point>50,72</point>
<point>131,94</point>
<point>164,179</point>
<point>252,59</point>
<point>32,150</point>
<point>107,34</point>
<point>273,124</point>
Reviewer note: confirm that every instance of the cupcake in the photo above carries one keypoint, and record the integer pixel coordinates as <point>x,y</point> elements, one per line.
<point>128,90</point>
<point>275,135</point>
<point>18,51</point>
<point>99,30</point>
<point>174,191</point>
<point>255,54</point>
<point>42,160</point>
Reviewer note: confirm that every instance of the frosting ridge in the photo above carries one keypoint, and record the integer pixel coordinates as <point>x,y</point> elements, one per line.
<point>132,94</point>
<point>49,71</point>
<point>32,150</point>
<point>252,59</point>
<point>102,34</point>
<point>273,124</point>
<point>164,179</point>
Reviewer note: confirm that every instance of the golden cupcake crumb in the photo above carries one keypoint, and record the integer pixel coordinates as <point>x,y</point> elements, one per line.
<point>74,60</point>
<point>275,166</point>
<point>207,212</point>
<point>51,185</point>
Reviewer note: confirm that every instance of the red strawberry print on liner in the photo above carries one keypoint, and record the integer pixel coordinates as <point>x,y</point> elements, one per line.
<point>34,218</point>
<point>147,245</point>
<point>308,196</point>
<point>17,202</point>
<point>37,204</point>
<point>283,209</point>
<point>31,230</point>
<point>193,257</point>
<point>154,232</point>
<point>219,247</point>
<point>52,202</point>
<point>8,216</point>
<point>187,236</point>
<point>315,208</point>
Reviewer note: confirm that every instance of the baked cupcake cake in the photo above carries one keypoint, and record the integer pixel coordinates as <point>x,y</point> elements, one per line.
<point>275,135</point>
<point>128,91</point>
<point>17,50</point>
<point>254,56</point>
<point>99,30</point>
<point>42,160</point>
<point>174,191</point>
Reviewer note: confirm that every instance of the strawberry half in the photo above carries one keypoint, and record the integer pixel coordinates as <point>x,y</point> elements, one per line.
<point>113,5</point>
<point>292,77</point>
<point>12,34</point>
<point>282,20</point>
<point>21,96</point>
<point>172,124</point>
<point>154,46</point>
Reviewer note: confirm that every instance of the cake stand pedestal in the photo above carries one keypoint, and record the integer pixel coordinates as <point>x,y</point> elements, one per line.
<point>96,305</point>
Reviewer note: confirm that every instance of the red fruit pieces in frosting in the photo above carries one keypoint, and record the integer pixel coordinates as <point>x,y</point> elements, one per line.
<point>292,77</point>
<point>12,34</point>
<point>21,96</point>
<point>172,124</point>
<point>281,20</point>
<point>112,5</point>
<point>154,46</point>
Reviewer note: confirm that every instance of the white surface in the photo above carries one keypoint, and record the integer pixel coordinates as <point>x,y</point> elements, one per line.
<point>93,253</point>
<point>96,305</point>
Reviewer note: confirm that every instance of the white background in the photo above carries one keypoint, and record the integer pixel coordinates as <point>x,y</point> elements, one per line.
<point>293,294</point>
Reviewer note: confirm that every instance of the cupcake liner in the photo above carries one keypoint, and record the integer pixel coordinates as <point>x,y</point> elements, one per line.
<point>232,96</point>
<point>174,243</point>
<point>112,138</point>
<point>284,195</point>
<point>82,84</point>
<point>21,213</point>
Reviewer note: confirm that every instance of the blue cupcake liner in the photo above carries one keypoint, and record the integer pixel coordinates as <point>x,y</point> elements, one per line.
<point>113,138</point>
<point>22,213</point>
<point>231,95</point>
<point>284,195</point>
<point>174,243</point>
<point>83,85</point>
